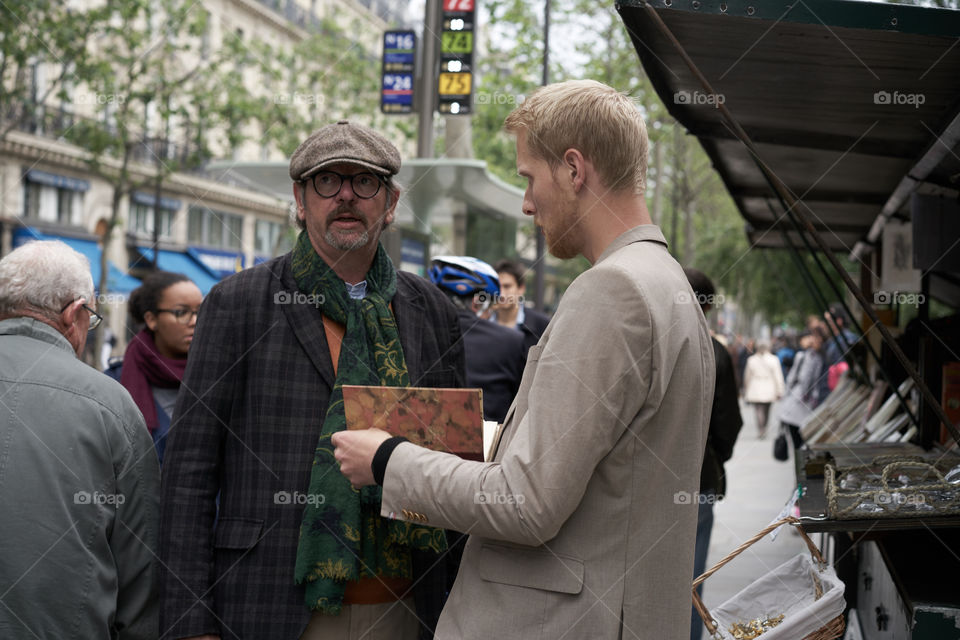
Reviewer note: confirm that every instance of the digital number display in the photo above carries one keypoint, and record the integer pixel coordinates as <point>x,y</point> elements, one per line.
<point>455,84</point>
<point>456,42</point>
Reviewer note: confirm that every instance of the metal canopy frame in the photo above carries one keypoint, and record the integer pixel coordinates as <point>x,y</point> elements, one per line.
<point>803,77</point>
<point>645,22</point>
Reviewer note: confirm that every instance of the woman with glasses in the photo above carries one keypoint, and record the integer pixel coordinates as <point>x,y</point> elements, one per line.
<point>166,305</point>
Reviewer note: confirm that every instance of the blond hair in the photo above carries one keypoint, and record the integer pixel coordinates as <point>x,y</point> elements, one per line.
<point>606,126</point>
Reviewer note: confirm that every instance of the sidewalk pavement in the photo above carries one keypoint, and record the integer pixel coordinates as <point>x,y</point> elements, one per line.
<point>758,486</point>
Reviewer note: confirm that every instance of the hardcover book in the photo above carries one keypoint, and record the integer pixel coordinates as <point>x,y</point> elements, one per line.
<point>449,420</point>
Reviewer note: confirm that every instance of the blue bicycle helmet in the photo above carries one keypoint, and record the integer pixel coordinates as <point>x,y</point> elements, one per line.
<point>464,276</point>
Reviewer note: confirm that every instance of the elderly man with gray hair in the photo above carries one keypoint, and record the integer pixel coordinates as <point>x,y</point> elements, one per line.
<point>79,478</point>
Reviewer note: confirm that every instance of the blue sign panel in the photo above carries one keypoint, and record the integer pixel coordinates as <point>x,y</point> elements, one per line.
<point>399,55</point>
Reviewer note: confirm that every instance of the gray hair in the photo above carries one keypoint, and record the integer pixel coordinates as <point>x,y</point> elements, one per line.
<point>44,276</point>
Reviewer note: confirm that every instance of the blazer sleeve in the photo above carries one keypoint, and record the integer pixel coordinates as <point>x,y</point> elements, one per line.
<point>582,396</point>
<point>191,471</point>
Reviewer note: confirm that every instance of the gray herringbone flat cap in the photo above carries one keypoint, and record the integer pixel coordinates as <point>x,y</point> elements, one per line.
<point>344,142</point>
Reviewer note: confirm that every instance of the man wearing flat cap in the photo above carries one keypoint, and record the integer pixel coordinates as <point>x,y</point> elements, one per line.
<point>261,536</point>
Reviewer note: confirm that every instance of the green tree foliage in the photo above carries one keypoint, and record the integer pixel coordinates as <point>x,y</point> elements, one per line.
<point>47,33</point>
<point>146,71</point>
<point>698,217</point>
<point>304,85</point>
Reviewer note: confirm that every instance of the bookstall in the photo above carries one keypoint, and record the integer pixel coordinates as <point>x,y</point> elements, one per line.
<point>835,126</point>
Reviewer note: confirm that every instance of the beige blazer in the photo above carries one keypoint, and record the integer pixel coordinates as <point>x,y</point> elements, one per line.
<point>583,525</point>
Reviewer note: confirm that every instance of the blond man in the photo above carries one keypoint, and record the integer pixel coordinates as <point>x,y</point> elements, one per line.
<point>583,524</point>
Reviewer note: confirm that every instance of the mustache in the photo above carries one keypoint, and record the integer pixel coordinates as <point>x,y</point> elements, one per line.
<point>342,209</point>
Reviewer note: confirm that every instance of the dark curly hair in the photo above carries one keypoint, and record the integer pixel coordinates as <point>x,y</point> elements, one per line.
<point>147,296</point>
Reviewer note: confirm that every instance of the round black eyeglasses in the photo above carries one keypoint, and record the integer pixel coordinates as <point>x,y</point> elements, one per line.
<point>327,184</point>
<point>180,314</point>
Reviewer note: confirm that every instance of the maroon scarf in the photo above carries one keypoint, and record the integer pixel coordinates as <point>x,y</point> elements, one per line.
<point>144,368</point>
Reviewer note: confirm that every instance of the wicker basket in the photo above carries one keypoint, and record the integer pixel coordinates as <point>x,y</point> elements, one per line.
<point>832,629</point>
<point>930,496</point>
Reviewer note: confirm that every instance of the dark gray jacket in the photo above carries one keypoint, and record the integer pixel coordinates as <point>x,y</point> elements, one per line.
<point>79,486</point>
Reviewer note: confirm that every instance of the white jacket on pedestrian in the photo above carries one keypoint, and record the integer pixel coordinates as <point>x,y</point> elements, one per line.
<point>762,378</point>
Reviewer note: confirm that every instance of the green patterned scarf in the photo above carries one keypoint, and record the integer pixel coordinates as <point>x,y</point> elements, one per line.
<point>343,537</point>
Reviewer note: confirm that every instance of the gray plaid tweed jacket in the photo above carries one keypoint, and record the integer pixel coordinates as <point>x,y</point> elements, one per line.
<point>245,427</point>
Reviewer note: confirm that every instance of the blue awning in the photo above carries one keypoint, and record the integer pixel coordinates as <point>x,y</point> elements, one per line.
<point>58,181</point>
<point>117,280</point>
<point>185,264</point>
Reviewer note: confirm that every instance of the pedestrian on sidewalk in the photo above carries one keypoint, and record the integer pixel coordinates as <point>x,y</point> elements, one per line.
<point>762,384</point>
<point>725,423</point>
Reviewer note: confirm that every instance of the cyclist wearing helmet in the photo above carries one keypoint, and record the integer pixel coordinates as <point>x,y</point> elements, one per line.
<point>495,355</point>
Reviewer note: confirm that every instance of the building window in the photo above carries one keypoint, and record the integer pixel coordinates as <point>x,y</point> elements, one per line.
<point>267,237</point>
<point>52,204</point>
<point>142,219</point>
<point>214,228</point>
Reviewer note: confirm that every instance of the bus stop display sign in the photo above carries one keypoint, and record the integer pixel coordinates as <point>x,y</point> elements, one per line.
<point>399,55</point>
<point>455,81</point>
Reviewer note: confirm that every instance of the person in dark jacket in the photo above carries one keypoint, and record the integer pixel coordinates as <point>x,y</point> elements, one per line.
<point>725,423</point>
<point>495,355</point>
<point>294,551</point>
<point>510,311</point>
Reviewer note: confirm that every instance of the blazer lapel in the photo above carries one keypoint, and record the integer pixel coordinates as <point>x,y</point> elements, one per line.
<point>408,309</point>
<point>306,322</point>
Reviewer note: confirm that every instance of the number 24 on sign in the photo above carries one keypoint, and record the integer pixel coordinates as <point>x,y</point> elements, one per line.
<point>458,5</point>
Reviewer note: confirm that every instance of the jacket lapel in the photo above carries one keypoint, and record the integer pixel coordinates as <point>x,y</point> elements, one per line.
<point>306,322</point>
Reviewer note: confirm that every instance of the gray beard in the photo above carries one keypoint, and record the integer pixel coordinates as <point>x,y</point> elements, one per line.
<point>341,244</point>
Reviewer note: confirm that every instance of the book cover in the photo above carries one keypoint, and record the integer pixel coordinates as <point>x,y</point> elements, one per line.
<point>449,420</point>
